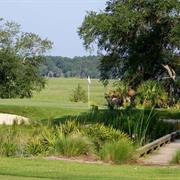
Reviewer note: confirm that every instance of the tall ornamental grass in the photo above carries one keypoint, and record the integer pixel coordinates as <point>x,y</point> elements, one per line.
<point>118,152</point>
<point>73,145</point>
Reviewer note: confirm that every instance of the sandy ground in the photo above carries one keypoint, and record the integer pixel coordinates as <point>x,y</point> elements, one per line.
<point>9,119</point>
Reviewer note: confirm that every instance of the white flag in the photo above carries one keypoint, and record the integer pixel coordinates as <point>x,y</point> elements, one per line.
<point>89,80</point>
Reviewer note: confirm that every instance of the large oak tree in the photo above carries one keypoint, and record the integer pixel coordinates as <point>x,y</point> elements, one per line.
<point>138,39</point>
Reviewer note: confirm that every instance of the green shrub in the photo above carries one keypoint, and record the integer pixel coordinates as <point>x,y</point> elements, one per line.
<point>117,152</point>
<point>34,146</point>
<point>69,126</point>
<point>8,148</point>
<point>73,145</point>
<point>78,94</point>
<point>118,96</point>
<point>151,94</point>
<point>176,158</point>
<point>142,125</point>
<point>48,139</point>
<point>8,142</point>
<point>101,134</point>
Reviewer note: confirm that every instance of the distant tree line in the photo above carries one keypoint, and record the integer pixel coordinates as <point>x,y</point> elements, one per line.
<point>57,66</point>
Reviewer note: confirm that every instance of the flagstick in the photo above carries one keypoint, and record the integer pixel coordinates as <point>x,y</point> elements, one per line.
<point>88,96</point>
<point>89,83</point>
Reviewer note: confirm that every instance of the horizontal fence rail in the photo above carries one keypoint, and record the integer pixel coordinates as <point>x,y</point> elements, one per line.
<point>148,148</point>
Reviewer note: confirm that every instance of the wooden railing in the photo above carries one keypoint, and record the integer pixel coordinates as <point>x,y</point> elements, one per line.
<point>149,148</point>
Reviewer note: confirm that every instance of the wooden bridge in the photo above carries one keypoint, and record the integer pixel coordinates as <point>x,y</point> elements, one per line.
<point>160,151</point>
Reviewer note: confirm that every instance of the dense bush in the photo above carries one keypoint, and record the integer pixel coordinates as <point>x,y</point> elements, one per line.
<point>101,134</point>
<point>151,94</point>
<point>141,125</point>
<point>117,152</point>
<point>78,94</point>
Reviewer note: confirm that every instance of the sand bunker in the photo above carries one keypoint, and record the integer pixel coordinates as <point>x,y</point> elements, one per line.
<point>9,119</point>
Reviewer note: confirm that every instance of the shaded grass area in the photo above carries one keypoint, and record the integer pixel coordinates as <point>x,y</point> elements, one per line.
<point>55,113</point>
<point>45,169</point>
<point>39,113</point>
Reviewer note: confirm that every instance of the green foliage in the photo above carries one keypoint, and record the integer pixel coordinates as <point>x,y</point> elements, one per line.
<point>140,130</point>
<point>122,95</point>
<point>101,134</point>
<point>117,152</point>
<point>78,94</point>
<point>47,139</point>
<point>34,146</point>
<point>73,145</point>
<point>176,158</point>
<point>151,94</point>
<point>18,79</point>
<point>141,125</point>
<point>20,57</point>
<point>138,38</point>
<point>69,127</point>
<point>57,66</point>
<point>8,144</point>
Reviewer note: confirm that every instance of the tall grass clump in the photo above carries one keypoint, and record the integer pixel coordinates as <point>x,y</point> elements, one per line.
<point>117,152</point>
<point>141,125</point>
<point>68,127</point>
<point>8,142</point>
<point>73,145</point>
<point>139,128</point>
<point>34,147</point>
<point>176,158</point>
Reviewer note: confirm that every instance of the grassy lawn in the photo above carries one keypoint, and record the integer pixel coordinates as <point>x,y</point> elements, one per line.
<point>57,94</point>
<point>39,113</point>
<point>53,101</point>
<point>16,169</point>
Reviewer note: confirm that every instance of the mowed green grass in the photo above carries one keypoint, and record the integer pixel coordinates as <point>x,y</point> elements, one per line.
<point>54,100</point>
<point>16,169</point>
<point>57,94</point>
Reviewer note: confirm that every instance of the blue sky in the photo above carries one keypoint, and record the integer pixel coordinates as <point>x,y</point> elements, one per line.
<point>57,20</point>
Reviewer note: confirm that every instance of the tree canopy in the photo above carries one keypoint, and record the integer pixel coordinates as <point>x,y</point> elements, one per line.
<point>138,39</point>
<point>21,53</point>
<point>57,66</point>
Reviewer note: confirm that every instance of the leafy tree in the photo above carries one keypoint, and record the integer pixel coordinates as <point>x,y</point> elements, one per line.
<point>20,56</point>
<point>138,39</point>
